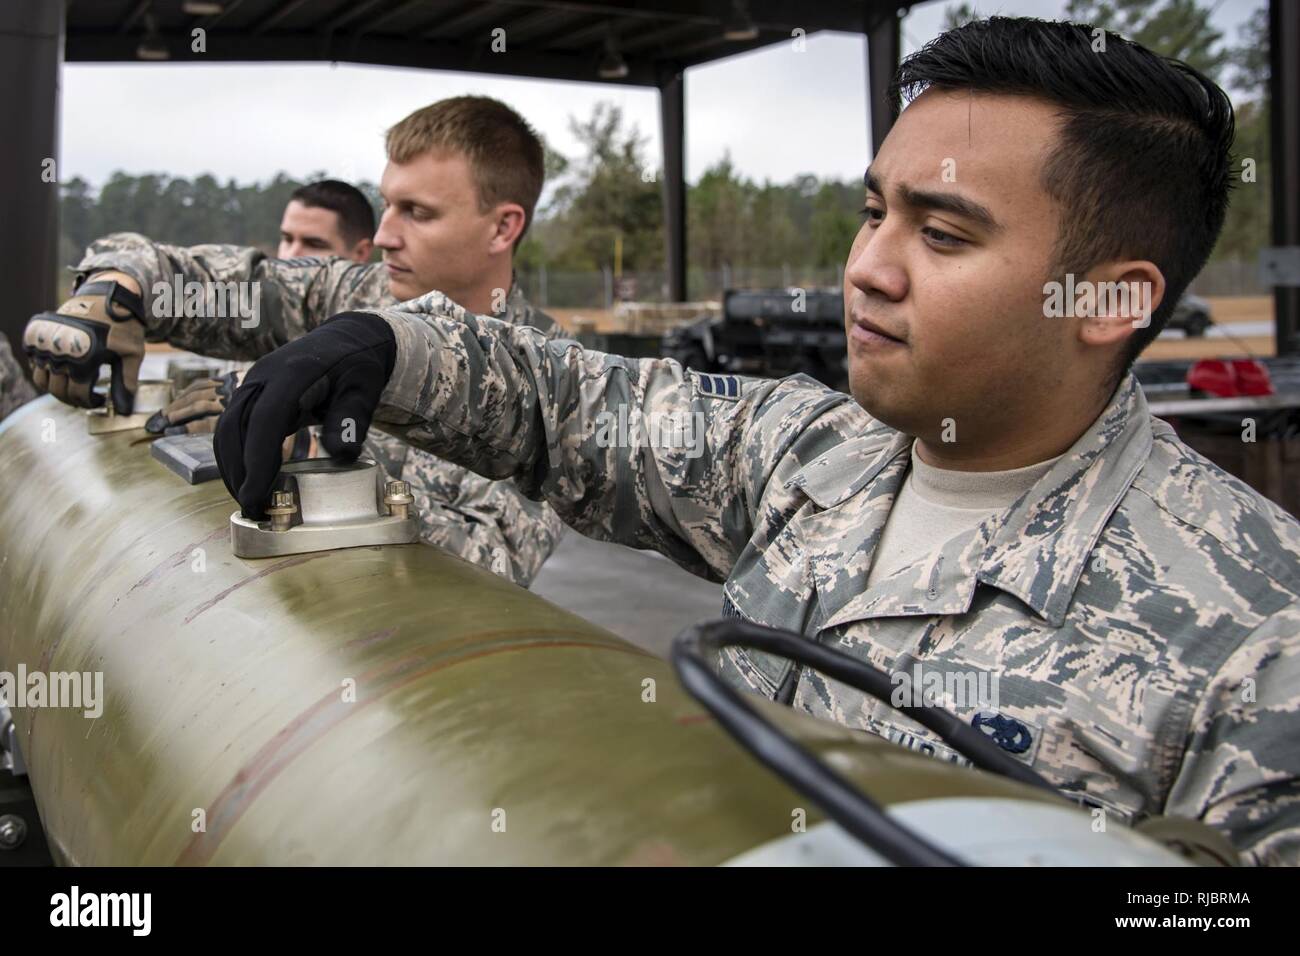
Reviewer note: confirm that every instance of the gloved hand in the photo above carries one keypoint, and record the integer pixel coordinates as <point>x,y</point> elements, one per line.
<point>333,375</point>
<point>195,410</point>
<point>103,323</point>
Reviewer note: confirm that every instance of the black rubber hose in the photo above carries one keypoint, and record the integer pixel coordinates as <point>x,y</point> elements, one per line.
<point>801,769</point>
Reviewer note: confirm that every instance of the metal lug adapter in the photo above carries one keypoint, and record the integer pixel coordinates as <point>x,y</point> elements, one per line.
<point>399,499</point>
<point>321,505</point>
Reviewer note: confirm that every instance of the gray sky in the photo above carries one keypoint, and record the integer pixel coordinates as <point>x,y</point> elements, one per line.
<point>777,111</point>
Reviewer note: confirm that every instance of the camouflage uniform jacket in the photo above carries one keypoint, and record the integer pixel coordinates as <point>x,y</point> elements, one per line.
<point>1139,607</point>
<point>486,522</point>
<point>15,390</point>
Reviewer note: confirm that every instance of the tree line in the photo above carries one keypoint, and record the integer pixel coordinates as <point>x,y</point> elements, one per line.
<point>604,210</point>
<point>177,210</point>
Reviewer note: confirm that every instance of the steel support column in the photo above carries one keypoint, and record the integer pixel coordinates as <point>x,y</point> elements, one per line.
<point>1284,133</point>
<point>31,55</point>
<point>883,48</point>
<point>672,126</point>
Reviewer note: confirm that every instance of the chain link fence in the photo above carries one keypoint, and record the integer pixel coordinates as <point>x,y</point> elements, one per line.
<point>1230,277</point>
<point>549,288</point>
<point>600,290</point>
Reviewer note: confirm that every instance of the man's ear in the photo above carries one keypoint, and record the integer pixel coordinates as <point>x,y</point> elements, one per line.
<point>362,250</point>
<point>509,221</point>
<point>1126,295</point>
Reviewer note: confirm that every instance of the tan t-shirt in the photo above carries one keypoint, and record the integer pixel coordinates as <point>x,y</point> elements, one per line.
<point>935,505</point>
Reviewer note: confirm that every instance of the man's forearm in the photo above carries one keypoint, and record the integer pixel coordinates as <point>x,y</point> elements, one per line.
<point>488,523</point>
<point>232,301</point>
<point>207,299</point>
<point>626,450</point>
<point>468,397</point>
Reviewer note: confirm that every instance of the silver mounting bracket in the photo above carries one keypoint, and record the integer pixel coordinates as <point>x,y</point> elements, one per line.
<point>321,505</point>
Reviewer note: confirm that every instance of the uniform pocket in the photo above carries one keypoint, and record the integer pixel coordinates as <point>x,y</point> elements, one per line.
<point>749,669</point>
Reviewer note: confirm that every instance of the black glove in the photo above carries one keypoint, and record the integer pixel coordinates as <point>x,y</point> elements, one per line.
<point>332,376</point>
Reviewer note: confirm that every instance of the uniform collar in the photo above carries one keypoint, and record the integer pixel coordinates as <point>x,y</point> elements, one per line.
<point>519,311</point>
<point>517,308</point>
<point>1041,545</point>
<point>851,465</point>
<point>516,305</point>
<point>1035,551</point>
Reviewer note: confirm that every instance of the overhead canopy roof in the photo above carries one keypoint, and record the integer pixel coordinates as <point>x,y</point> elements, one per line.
<point>655,40</point>
<point>548,39</point>
<point>551,40</point>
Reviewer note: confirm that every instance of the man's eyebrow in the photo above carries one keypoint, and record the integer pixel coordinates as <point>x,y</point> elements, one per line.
<point>413,201</point>
<point>954,203</point>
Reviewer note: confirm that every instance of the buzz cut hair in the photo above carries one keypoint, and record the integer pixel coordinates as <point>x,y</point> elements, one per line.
<point>356,215</point>
<point>505,154</point>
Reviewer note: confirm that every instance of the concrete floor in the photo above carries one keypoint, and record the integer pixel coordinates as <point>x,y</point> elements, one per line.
<point>639,595</point>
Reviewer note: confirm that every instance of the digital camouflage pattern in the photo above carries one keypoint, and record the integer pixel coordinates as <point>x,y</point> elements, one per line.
<point>487,522</point>
<point>15,390</point>
<point>1138,607</point>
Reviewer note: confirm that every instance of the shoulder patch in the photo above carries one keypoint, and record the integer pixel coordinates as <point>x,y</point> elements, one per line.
<point>302,261</point>
<point>717,386</point>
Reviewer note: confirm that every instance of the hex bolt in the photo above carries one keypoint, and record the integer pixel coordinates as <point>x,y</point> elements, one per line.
<point>13,831</point>
<point>399,499</point>
<point>282,510</point>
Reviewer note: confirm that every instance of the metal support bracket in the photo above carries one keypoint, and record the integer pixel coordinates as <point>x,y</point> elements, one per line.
<point>320,505</point>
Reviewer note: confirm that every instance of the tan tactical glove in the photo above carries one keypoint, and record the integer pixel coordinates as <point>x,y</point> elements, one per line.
<point>195,410</point>
<point>103,323</point>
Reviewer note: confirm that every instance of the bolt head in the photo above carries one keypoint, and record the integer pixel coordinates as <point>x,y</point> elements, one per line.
<point>13,831</point>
